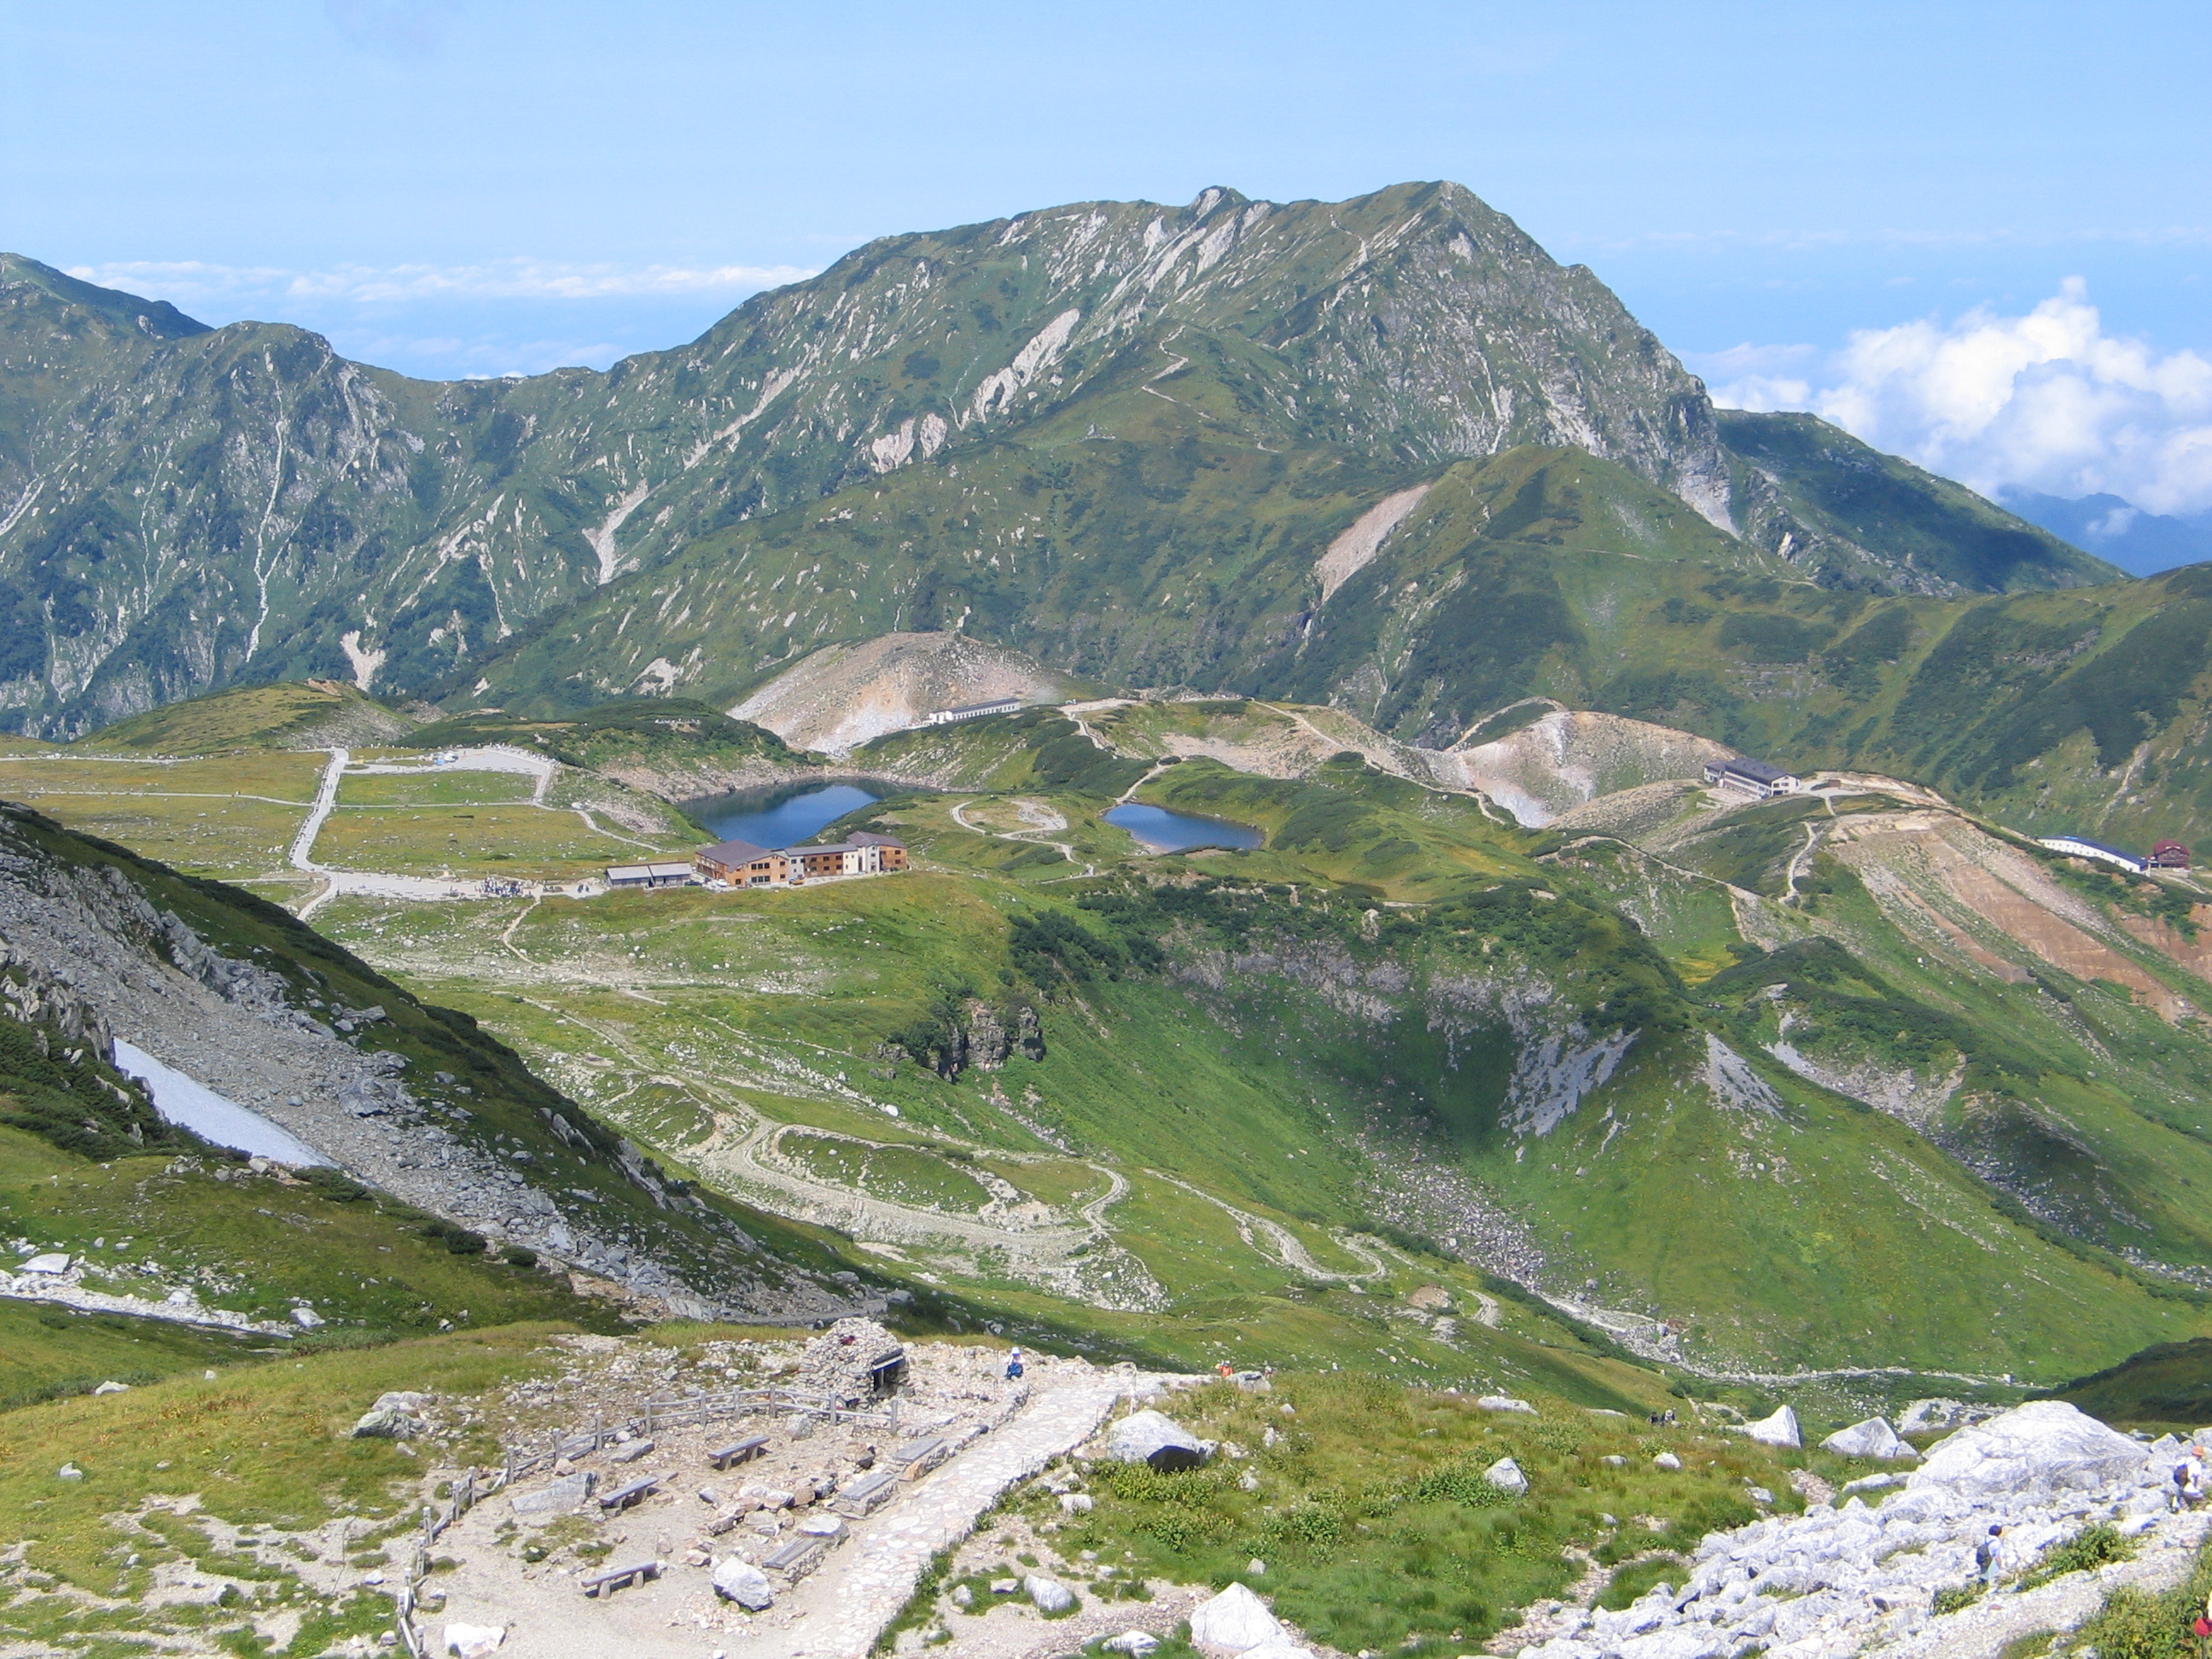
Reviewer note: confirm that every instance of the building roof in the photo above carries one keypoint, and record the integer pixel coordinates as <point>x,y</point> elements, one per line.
<point>630,873</point>
<point>1758,770</point>
<point>733,852</point>
<point>2072,840</point>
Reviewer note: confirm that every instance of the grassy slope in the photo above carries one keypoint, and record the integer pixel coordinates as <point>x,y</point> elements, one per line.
<point>1376,1528</point>
<point>287,714</point>
<point>510,1104</point>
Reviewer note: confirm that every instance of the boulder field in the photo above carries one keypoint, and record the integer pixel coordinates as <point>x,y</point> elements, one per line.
<point>1832,1583</point>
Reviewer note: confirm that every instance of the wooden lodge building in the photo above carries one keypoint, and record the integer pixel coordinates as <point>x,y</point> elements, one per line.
<point>741,864</point>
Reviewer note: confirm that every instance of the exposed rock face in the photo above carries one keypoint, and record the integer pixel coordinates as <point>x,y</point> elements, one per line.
<point>841,695</point>
<point>1841,1581</point>
<point>107,956</point>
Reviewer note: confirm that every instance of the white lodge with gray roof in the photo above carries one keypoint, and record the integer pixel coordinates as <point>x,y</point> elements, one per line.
<point>1757,779</point>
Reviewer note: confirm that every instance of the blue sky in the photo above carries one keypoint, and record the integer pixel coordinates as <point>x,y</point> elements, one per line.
<point>467,186</point>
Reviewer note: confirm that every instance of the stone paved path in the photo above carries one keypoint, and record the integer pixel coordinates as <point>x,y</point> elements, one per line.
<point>846,1603</point>
<point>835,1613</point>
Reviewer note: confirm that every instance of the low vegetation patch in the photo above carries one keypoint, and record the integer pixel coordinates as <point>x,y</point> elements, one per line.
<point>1369,1503</point>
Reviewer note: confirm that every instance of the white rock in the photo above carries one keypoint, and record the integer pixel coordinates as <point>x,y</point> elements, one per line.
<point>1872,1438</point>
<point>472,1641</point>
<point>44,1264</point>
<point>1235,1621</point>
<point>823,1526</point>
<point>1666,1461</point>
<point>2039,1450</point>
<point>741,1582</point>
<point>1048,1595</point>
<point>306,1319</point>
<point>69,1472</point>
<point>1504,1402</point>
<point>1505,1475</point>
<point>1136,1643</point>
<point>1076,1503</point>
<point>1779,1430</point>
<point>1255,1568</point>
<point>1160,1441</point>
<point>1278,1650</point>
<point>113,1388</point>
<point>379,1424</point>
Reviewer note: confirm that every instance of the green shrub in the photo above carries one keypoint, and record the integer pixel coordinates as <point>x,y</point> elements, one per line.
<point>2092,1546</point>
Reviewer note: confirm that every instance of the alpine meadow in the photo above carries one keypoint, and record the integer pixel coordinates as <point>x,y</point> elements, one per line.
<point>1520,989</point>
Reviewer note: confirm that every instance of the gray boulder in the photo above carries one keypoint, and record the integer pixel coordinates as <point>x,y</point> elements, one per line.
<point>560,1497</point>
<point>1505,1474</point>
<point>1137,1644</point>
<point>385,1423</point>
<point>1048,1595</point>
<point>1235,1621</point>
<point>1872,1438</point>
<point>1149,1438</point>
<point>2039,1450</point>
<point>1504,1402</point>
<point>1779,1430</point>
<point>745,1584</point>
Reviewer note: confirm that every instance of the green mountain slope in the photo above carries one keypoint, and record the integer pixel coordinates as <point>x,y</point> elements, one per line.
<point>1854,517</point>
<point>186,508</point>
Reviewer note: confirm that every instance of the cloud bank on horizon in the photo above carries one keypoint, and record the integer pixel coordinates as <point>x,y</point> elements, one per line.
<point>2047,401</point>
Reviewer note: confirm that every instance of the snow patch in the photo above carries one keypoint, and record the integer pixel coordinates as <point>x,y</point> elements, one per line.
<point>185,1100</point>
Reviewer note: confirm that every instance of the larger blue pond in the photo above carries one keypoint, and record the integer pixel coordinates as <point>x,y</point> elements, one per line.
<point>1175,832</point>
<point>788,817</point>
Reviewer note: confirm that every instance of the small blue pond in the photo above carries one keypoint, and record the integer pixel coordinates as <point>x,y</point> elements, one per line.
<point>1175,832</point>
<point>790,819</point>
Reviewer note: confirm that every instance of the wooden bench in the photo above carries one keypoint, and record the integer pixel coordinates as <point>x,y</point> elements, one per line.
<point>915,1458</point>
<point>797,1558</point>
<point>867,1495</point>
<point>739,1453</point>
<point>620,1577</point>
<point>622,1496</point>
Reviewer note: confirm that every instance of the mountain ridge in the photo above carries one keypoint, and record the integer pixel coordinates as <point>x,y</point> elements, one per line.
<point>242,502</point>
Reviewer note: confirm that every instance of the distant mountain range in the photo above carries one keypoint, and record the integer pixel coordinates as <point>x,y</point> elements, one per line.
<point>2141,544</point>
<point>1153,445</point>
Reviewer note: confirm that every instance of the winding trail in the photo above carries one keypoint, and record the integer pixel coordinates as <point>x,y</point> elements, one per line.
<point>1042,821</point>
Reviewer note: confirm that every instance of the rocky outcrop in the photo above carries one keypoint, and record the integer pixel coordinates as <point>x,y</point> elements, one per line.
<point>1836,1581</point>
<point>86,943</point>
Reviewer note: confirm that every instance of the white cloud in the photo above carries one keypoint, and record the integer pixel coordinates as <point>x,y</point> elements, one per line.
<point>190,281</point>
<point>2047,400</point>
